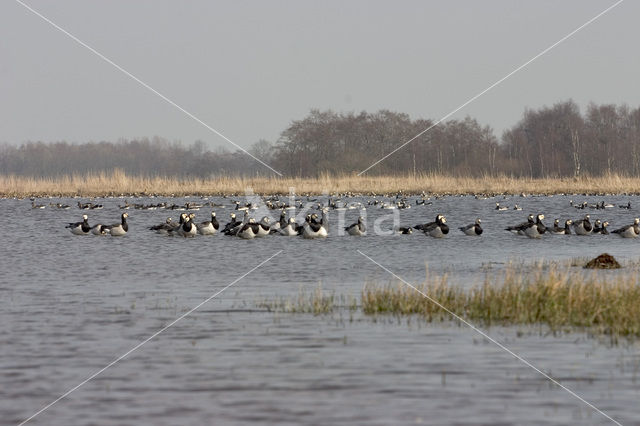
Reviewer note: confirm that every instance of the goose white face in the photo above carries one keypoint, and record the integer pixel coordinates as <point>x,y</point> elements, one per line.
<point>636,221</point>
<point>125,215</point>
<point>540,216</point>
<point>85,217</point>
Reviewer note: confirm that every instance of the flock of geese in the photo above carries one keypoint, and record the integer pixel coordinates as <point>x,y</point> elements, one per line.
<point>318,227</point>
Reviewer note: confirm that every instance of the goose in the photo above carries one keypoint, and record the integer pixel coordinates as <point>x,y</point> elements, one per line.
<point>248,230</point>
<point>209,227</point>
<point>80,228</point>
<point>166,227</point>
<point>604,230</point>
<point>314,229</point>
<point>583,226</point>
<point>473,229</point>
<point>519,228</point>
<point>436,229</point>
<point>501,208</point>
<point>37,206</point>
<point>559,230</point>
<point>290,229</point>
<point>626,206</point>
<point>629,231</point>
<point>264,227</point>
<point>188,229</point>
<point>358,228</point>
<point>405,230</point>
<point>118,229</point>
<point>537,229</point>
<point>517,207</point>
<point>98,229</point>
<point>233,223</point>
<point>597,226</point>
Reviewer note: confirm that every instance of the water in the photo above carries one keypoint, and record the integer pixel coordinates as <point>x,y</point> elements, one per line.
<point>72,304</point>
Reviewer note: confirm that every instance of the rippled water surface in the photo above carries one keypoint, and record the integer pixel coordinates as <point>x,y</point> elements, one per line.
<point>73,304</point>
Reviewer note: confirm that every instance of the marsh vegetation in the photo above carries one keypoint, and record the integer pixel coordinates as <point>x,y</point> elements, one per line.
<point>555,295</point>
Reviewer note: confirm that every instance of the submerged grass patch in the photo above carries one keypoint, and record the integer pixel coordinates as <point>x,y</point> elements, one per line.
<point>316,302</point>
<point>555,295</point>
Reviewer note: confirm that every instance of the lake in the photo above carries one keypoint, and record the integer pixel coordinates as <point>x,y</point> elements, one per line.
<point>73,304</point>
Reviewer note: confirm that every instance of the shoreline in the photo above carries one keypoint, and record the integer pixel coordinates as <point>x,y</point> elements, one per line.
<point>119,184</point>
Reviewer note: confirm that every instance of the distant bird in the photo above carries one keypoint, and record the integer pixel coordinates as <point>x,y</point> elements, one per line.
<point>517,207</point>
<point>473,229</point>
<point>626,206</point>
<point>80,228</point>
<point>629,231</point>
<point>358,228</point>
<point>36,206</point>
<point>405,230</point>
<point>501,208</point>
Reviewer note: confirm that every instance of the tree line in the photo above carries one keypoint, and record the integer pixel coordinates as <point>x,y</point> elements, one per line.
<point>556,141</point>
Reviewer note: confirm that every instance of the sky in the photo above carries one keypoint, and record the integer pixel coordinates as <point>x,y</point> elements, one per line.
<point>249,68</point>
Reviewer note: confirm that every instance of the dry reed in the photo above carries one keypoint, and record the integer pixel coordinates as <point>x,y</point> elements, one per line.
<point>118,183</point>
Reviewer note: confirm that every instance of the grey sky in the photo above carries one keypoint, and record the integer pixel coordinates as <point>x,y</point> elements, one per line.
<point>249,68</point>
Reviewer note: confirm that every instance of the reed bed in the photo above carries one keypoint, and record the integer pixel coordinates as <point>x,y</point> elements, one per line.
<point>118,183</point>
<point>558,296</point>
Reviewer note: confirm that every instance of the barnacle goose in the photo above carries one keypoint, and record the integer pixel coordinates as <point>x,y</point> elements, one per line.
<point>358,228</point>
<point>519,228</point>
<point>629,231</point>
<point>436,229</point>
<point>583,226</point>
<point>80,228</point>
<point>118,229</point>
<point>209,227</point>
<point>473,229</point>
